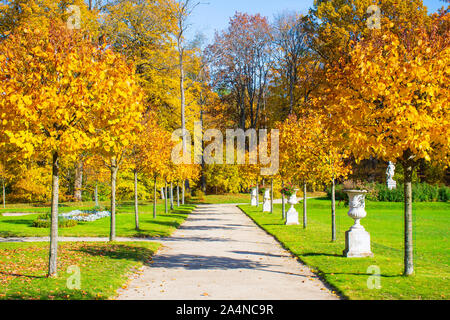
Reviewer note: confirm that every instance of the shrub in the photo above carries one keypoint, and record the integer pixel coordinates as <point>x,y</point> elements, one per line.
<point>44,221</point>
<point>199,194</point>
<point>444,194</point>
<point>394,195</point>
<point>422,192</point>
<point>340,195</point>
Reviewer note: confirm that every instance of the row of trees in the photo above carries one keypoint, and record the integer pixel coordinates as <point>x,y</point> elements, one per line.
<point>342,90</point>
<point>93,97</point>
<point>337,88</point>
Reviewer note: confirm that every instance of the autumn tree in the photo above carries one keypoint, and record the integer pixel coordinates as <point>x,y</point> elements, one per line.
<point>118,129</point>
<point>391,100</point>
<point>3,176</point>
<point>95,175</point>
<point>304,157</point>
<point>182,12</point>
<point>334,26</point>
<point>148,34</point>
<point>55,95</point>
<point>292,49</point>
<point>141,31</point>
<point>151,155</point>
<point>41,13</point>
<point>240,62</point>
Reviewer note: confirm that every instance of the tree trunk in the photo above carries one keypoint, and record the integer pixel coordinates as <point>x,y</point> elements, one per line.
<point>78,184</point>
<point>154,199</point>
<point>271,196</point>
<point>183,192</point>
<point>291,96</point>
<point>182,94</point>
<point>52,265</point>
<point>257,194</point>
<point>167,195</point>
<point>171,195</point>
<point>136,201</point>
<point>96,194</point>
<point>409,262</point>
<point>333,210</point>
<point>114,169</point>
<point>178,195</point>
<point>305,218</point>
<point>283,205</point>
<point>4,193</point>
<point>163,194</point>
<point>202,177</point>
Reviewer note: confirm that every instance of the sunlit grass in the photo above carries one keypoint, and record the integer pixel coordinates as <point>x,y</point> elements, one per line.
<point>103,267</point>
<point>162,226</point>
<point>385,225</point>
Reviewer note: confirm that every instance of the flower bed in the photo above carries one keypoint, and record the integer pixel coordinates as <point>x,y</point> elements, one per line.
<point>87,216</point>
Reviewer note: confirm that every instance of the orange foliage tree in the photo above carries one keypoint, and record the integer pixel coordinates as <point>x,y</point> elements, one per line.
<point>57,89</point>
<point>391,100</point>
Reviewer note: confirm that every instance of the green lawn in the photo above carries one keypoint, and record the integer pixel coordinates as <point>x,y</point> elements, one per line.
<point>162,226</point>
<point>385,224</point>
<point>104,268</point>
<point>45,207</point>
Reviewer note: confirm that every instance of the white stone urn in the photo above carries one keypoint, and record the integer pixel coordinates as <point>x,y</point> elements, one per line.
<point>292,214</point>
<point>254,202</point>
<point>357,239</point>
<point>266,204</point>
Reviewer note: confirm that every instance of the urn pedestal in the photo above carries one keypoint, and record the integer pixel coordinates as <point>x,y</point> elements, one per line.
<point>357,239</point>
<point>266,204</point>
<point>292,214</point>
<point>254,202</point>
<point>392,184</point>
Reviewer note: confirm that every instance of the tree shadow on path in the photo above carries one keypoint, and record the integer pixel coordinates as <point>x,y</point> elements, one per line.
<point>196,262</point>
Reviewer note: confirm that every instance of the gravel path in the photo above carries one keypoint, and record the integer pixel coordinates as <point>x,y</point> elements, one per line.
<point>220,254</point>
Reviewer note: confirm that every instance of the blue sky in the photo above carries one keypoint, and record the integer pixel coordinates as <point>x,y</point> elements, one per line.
<point>214,15</point>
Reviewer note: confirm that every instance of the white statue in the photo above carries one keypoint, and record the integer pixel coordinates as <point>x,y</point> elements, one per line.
<point>266,203</point>
<point>292,214</point>
<point>254,201</point>
<point>390,172</point>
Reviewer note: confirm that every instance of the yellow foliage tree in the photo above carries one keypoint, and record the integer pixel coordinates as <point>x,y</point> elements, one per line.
<point>57,90</point>
<point>308,155</point>
<point>391,100</point>
<point>151,155</point>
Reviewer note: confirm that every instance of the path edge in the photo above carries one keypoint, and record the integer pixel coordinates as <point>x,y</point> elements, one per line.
<point>314,270</point>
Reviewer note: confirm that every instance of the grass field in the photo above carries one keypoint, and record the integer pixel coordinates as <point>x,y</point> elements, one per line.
<point>162,226</point>
<point>385,223</point>
<point>103,268</point>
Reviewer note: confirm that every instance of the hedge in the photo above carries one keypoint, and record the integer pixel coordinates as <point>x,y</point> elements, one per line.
<point>422,192</point>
